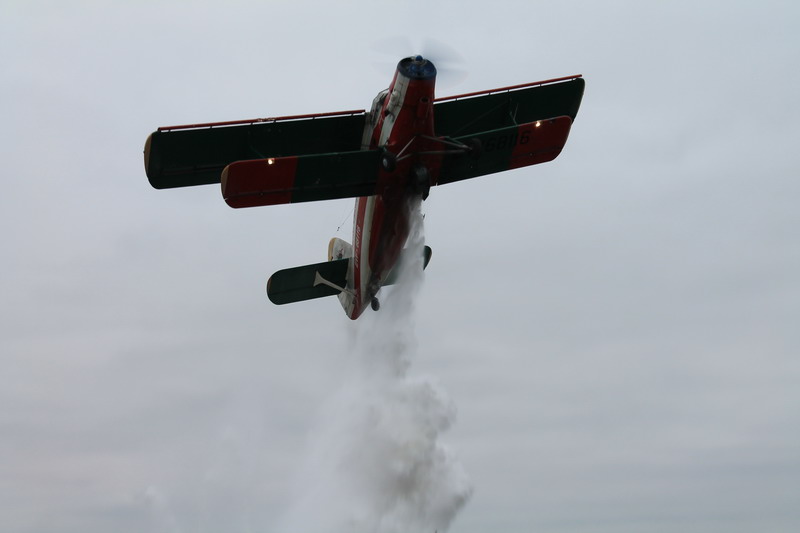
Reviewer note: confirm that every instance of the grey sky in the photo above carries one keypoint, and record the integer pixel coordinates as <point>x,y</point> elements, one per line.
<point>617,329</point>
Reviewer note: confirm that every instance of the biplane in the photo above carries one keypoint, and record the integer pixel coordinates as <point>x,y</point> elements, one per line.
<point>408,142</point>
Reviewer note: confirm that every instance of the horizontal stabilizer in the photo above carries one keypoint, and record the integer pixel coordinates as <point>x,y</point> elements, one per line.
<point>316,281</point>
<point>301,283</point>
<point>283,180</point>
<point>506,148</point>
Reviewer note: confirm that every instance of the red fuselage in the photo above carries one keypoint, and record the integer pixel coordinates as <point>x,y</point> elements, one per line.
<point>400,123</point>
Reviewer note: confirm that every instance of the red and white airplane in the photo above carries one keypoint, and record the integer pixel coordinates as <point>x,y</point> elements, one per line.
<point>407,142</point>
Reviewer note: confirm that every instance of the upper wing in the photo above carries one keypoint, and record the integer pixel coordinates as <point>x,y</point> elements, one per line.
<point>181,156</point>
<point>458,116</point>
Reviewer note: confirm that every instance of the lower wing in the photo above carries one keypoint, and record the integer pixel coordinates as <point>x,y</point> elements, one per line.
<point>505,149</point>
<point>283,180</point>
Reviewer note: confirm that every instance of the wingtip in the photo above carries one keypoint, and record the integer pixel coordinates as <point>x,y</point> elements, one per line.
<point>147,144</point>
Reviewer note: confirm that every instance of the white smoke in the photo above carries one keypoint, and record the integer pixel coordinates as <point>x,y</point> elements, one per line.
<point>377,464</point>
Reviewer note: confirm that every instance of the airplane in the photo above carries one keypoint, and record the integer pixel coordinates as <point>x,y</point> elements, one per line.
<point>385,158</point>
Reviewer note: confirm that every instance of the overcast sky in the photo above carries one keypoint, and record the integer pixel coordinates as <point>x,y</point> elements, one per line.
<point>608,342</point>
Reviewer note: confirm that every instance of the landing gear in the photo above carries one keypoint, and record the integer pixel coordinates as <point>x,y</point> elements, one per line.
<point>421,181</point>
<point>372,289</point>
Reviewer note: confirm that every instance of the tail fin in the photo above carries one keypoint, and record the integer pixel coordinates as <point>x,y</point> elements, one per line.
<point>339,249</point>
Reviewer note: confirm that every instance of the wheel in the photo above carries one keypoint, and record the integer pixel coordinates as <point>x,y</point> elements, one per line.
<point>375,304</point>
<point>388,161</point>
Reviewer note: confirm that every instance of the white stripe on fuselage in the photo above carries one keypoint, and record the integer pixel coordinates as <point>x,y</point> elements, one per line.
<point>366,235</point>
<point>362,230</point>
<point>394,103</point>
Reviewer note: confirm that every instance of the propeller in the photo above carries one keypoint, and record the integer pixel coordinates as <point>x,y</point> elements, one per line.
<point>447,60</point>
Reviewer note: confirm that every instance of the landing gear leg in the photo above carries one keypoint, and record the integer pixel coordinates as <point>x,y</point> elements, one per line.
<point>372,289</point>
<point>421,182</point>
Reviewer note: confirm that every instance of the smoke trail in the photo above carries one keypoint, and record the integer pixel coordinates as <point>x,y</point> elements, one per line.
<point>377,464</point>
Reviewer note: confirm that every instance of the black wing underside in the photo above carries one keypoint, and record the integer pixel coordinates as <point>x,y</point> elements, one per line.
<point>466,116</point>
<point>186,157</point>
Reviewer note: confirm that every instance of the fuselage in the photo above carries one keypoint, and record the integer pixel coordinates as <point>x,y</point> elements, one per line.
<point>400,123</point>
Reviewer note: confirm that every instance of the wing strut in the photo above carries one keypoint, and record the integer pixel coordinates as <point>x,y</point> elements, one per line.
<point>319,280</point>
